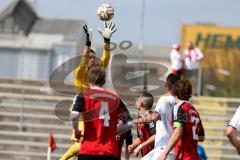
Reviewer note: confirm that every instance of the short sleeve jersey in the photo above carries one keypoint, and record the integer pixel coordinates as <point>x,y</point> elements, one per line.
<point>187,117</point>
<point>144,132</point>
<point>99,109</point>
<point>235,122</point>
<point>164,126</point>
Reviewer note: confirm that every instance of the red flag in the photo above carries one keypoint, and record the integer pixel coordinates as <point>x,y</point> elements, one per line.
<point>51,142</point>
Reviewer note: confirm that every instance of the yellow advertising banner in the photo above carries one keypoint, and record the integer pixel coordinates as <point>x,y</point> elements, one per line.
<point>221,63</point>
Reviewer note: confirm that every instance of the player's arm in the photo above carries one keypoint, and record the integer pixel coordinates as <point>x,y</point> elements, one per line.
<point>78,105</point>
<point>147,143</point>
<point>106,34</point>
<point>234,125</point>
<point>105,56</point>
<point>135,143</point>
<point>200,54</point>
<point>151,117</point>
<point>84,58</point>
<point>201,134</point>
<point>232,136</point>
<point>127,117</point>
<point>79,71</point>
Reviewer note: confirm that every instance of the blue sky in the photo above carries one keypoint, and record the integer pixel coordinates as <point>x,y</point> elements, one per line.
<point>163,18</point>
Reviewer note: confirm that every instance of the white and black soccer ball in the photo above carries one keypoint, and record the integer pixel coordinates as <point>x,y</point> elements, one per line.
<point>105,12</point>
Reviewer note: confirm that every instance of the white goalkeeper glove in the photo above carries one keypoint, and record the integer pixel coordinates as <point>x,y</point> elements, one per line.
<point>107,31</point>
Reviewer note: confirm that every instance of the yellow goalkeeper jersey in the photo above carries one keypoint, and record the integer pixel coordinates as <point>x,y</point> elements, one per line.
<point>81,71</point>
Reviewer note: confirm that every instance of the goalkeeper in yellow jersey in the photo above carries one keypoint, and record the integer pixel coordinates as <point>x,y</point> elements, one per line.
<point>88,60</point>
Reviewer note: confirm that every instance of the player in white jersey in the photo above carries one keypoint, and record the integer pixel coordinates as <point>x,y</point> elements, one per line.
<point>163,117</point>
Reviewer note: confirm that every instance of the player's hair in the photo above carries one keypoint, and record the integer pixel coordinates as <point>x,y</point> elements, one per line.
<point>183,90</point>
<point>96,76</point>
<point>92,51</point>
<point>171,81</point>
<point>147,99</point>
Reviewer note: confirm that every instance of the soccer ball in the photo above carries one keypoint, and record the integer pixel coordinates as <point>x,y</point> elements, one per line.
<point>105,12</point>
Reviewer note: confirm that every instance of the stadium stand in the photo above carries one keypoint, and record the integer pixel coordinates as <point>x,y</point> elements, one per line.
<point>27,117</point>
<point>26,137</point>
<point>216,114</point>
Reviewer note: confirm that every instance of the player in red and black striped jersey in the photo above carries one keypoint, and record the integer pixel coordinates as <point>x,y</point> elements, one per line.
<point>188,128</point>
<point>100,110</point>
<point>144,131</point>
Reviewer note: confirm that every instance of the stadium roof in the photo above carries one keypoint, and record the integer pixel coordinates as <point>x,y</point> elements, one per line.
<point>68,28</point>
<point>22,14</point>
<point>27,21</point>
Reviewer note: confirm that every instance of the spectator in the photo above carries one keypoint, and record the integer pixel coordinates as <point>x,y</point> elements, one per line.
<point>192,66</point>
<point>176,60</point>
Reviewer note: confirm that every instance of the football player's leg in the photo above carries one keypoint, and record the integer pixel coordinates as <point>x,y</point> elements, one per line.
<point>72,152</point>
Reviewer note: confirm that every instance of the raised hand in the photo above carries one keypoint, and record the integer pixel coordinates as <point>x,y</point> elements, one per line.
<point>88,33</point>
<point>107,31</point>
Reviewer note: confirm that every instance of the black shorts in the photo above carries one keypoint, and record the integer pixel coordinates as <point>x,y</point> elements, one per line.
<point>91,157</point>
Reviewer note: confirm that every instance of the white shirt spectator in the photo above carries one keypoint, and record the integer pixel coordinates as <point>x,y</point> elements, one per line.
<point>176,62</point>
<point>192,58</point>
<point>235,122</point>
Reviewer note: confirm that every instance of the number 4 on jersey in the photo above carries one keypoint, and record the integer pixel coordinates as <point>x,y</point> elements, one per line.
<point>104,113</point>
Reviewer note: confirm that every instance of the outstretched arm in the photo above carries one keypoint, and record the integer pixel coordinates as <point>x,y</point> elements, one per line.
<point>152,117</point>
<point>80,70</point>
<point>106,34</point>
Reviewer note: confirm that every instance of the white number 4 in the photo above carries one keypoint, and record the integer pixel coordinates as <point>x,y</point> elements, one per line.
<point>104,113</point>
<point>195,120</point>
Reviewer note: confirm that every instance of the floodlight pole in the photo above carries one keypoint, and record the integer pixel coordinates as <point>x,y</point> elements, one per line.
<point>143,66</point>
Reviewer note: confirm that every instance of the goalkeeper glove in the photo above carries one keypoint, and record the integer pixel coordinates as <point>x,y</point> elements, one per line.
<point>88,35</point>
<point>78,134</point>
<point>107,31</point>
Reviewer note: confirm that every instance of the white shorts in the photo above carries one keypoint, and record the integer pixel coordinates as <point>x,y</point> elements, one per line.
<point>155,154</point>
